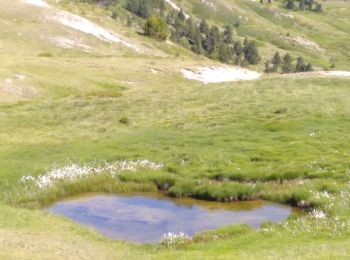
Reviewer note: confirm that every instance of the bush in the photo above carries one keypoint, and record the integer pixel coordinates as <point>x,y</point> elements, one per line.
<point>155,27</point>
<point>45,54</point>
<point>124,121</point>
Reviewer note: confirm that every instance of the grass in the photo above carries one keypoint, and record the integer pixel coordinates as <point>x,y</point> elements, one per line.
<point>283,139</point>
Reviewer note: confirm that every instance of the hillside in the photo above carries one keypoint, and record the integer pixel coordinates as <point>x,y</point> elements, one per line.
<point>81,86</point>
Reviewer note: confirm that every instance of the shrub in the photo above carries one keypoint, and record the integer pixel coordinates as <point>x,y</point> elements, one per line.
<point>124,121</point>
<point>45,54</point>
<point>155,27</point>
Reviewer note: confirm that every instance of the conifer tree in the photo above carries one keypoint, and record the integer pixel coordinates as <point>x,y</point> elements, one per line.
<point>238,48</point>
<point>228,35</point>
<point>300,66</point>
<point>276,60</point>
<point>251,54</point>
<point>287,64</point>
<point>268,68</point>
<point>203,27</point>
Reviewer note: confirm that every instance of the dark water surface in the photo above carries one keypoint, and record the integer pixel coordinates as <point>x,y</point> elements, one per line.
<point>145,218</point>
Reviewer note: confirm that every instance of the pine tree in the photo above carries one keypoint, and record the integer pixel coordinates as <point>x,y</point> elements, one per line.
<point>203,27</point>
<point>197,45</point>
<point>300,66</point>
<point>251,54</point>
<point>309,67</point>
<point>182,15</point>
<point>310,3</point>
<point>287,64</point>
<point>318,7</point>
<point>225,54</point>
<point>276,60</point>
<point>228,35</point>
<point>268,68</point>
<point>238,48</point>
<point>290,4</point>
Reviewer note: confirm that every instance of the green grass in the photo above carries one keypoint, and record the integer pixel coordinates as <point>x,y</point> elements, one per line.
<point>280,138</point>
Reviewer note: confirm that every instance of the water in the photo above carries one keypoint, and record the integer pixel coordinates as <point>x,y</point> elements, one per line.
<point>145,218</point>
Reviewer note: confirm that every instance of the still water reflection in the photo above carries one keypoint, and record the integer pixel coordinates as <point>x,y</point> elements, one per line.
<point>145,218</point>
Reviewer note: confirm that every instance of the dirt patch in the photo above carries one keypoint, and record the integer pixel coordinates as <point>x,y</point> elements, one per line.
<point>304,43</point>
<point>13,90</point>
<point>219,74</point>
<point>67,43</point>
<point>335,73</point>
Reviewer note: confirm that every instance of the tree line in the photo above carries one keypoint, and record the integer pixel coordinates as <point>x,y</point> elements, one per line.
<point>201,38</point>
<point>286,64</point>
<point>303,5</point>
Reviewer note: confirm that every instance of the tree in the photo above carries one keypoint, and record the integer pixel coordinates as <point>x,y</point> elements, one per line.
<point>300,66</point>
<point>228,34</point>
<point>268,68</point>
<point>332,62</point>
<point>290,4</point>
<point>302,4</point>
<point>251,54</point>
<point>309,3</point>
<point>318,7</point>
<point>182,15</point>
<point>238,48</point>
<point>197,45</point>
<point>155,27</point>
<point>225,54</point>
<point>276,60</point>
<point>203,27</point>
<point>309,67</point>
<point>287,64</point>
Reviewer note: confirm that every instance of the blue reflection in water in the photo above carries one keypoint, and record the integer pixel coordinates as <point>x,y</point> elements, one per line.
<point>145,219</point>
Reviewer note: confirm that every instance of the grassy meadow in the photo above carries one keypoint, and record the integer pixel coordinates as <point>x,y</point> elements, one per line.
<point>280,138</point>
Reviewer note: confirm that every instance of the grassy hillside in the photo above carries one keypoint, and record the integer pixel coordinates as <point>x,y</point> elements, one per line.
<point>280,138</point>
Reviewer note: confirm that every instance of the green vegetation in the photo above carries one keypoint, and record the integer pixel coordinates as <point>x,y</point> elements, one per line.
<point>280,138</point>
<point>156,28</point>
<point>311,5</point>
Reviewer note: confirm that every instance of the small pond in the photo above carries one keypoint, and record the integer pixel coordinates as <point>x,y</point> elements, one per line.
<point>145,218</point>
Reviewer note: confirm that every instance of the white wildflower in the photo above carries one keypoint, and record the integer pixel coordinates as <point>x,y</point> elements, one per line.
<point>171,239</point>
<point>74,172</point>
<point>318,214</point>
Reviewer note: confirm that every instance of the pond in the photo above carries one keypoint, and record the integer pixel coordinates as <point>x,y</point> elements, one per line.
<point>145,218</point>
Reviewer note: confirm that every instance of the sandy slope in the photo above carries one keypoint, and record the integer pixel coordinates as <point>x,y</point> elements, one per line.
<point>219,74</point>
<point>82,24</point>
<point>335,73</point>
